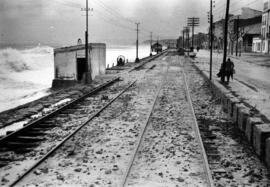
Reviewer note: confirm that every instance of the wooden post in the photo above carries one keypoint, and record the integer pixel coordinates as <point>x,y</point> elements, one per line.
<point>225,36</point>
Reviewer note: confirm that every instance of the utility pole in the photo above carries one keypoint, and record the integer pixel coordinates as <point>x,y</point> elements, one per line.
<point>226,35</point>
<point>237,36</point>
<point>137,44</point>
<point>183,39</point>
<point>187,33</point>
<point>211,38</point>
<point>87,69</point>
<point>151,35</point>
<point>193,22</point>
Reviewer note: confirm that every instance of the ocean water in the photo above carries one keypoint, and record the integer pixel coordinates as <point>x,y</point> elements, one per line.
<point>27,74</point>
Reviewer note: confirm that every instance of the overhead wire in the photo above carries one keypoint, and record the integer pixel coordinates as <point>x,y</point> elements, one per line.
<point>245,5</point>
<point>112,17</point>
<point>221,14</point>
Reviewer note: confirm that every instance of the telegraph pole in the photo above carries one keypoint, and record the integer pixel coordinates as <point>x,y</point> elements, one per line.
<point>211,38</point>
<point>193,22</point>
<point>86,46</point>
<point>226,32</point>
<point>183,39</point>
<point>137,44</point>
<point>187,33</point>
<point>151,34</point>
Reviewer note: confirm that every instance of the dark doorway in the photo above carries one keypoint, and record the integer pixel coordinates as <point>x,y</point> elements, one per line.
<point>80,68</point>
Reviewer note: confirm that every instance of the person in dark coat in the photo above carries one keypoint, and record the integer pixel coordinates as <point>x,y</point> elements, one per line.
<point>229,69</point>
<point>222,72</point>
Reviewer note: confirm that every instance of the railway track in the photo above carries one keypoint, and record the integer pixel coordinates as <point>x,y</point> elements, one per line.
<point>140,66</point>
<point>144,132</point>
<point>26,140</point>
<point>138,149</point>
<point>55,148</point>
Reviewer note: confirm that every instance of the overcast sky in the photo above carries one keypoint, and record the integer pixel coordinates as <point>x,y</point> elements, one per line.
<point>112,21</point>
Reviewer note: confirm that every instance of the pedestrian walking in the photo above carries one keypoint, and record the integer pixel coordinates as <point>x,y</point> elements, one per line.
<point>222,72</point>
<point>229,71</point>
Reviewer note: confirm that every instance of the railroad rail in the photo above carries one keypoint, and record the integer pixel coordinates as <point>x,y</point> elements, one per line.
<point>209,179</point>
<point>14,135</point>
<point>140,137</point>
<point>198,135</point>
<point>55,148</point>
<point>31,135</point>
<point>147,60</point>
<point>126,175</point>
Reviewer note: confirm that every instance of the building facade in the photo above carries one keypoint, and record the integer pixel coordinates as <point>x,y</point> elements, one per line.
<point>242,29</point>
<point>70,64</point>
<point>265,37</point>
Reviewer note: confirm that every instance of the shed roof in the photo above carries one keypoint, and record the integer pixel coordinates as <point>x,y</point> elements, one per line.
<point>78,47</point>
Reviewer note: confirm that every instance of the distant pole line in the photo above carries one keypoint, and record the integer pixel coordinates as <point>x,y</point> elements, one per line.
<point>137,43</point>
<point>193,22</point>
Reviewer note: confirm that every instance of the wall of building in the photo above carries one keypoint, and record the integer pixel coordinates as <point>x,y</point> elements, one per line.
<point>98,59</point>
<point>65,61</point>
<point>64,66</point>
<point>256,45</point>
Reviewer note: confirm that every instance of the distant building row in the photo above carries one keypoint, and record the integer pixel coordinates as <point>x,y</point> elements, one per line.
<point>243,30</point>
<point>247,32</point>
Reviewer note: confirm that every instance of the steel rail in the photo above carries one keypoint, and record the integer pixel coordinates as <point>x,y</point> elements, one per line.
<point>69,136</point>
<point>147,60</point>
<point>198,135</point>
<point>6,138</point>
<point>123,182</point>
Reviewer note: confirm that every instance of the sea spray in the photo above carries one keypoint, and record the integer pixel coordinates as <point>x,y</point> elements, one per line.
<point>27,74</point>
<point>11,60</point>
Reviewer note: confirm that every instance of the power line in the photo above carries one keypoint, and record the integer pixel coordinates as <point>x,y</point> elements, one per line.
<point>113,22</point>
<point>113,11</point>
<point>244,5</point>
<point>224,5</point>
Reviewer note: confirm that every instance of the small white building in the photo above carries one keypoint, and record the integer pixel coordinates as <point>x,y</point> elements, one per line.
<point>257,45</point>
<point>70,64</point>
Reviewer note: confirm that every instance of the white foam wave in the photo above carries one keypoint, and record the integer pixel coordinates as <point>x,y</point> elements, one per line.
<point>13,60</point>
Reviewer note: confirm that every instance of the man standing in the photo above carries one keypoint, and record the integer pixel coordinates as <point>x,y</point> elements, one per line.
<point>229,71</point>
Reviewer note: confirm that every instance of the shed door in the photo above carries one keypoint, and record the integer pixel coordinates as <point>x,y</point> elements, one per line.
<point>80,68</point>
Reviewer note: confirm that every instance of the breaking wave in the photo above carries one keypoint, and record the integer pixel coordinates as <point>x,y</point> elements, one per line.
<point>13,60</point>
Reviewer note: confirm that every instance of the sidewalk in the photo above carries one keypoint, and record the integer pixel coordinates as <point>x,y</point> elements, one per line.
<point>245,104</point>
<point>257,58</point>
<point>252,88</point>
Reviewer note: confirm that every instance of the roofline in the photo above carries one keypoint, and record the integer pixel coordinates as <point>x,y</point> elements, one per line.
<point>78,47</point>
